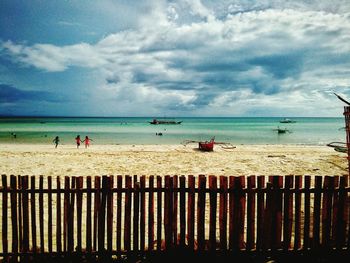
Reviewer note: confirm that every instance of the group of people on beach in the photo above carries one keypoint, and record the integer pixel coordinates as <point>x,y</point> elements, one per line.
<point>78,141</point>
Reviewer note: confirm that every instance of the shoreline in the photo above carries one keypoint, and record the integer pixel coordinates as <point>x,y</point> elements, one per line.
<point>280,159</point>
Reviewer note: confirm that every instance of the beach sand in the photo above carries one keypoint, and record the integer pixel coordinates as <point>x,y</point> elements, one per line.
<point>26,159</point>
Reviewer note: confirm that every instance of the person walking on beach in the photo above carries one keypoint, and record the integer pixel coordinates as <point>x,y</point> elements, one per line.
<point>56,141</point>
<point>87,141</point>
<point>78,141</point>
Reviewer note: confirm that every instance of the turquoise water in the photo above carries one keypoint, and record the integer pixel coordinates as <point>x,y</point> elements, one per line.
<point>313,131</point>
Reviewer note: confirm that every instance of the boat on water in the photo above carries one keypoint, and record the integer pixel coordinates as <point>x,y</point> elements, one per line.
<point>286,120</point>
<point>155,122</point>
<point>281,130</point>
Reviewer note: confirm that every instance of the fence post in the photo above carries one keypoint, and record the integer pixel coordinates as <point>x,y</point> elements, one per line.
<point>287,212</point>
<point>119,212</point>
<point>190,212</point>
<point>223,212</point>
<point>110,213</point>
<point>297,214</point>
<point>14,215</point>
<point>260,213</point>
<point>213,206</point>
<point>182,211</point>
<point>49,208</point>
<point>58,216</point>
<point>307,183</point>
<point>142,212</point>
<point>151,213</point>
<point>251,213</point>
<point>317,212</point>
<point>33,213</point>
<point>79,211</point>
<point>326,211</point>
<point>88,215</point>
<point>25,212</point>
<point>347,129</point>
<point>136,219</point>
<point>4,215</point>
<point>127,214</point>
<point>341,215</point>
<point>201,212</point>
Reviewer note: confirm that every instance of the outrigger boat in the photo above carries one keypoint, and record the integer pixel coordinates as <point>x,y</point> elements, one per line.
<point>280,130</point>
<point>286,120</point>
<point>208,146</point>
<point>155,122</point>
<point>338,146</point>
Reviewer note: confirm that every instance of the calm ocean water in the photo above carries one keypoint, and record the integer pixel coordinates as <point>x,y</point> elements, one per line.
<point>313,131</point>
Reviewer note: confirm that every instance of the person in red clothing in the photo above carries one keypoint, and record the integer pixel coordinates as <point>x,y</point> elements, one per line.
<point>78,140</point>
<point>87,141</point>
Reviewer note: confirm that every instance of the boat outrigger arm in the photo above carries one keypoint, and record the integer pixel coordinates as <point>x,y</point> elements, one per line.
<point>343,100</point>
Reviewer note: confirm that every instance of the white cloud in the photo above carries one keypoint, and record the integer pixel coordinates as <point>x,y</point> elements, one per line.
<point>248,58</point>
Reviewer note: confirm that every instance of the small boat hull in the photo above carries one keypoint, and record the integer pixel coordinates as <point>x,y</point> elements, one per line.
<point>206,146</point>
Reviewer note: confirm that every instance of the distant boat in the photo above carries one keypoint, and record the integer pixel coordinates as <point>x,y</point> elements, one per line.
<point>155,122</point>
<point>286,120</point>
<point>281,130</point>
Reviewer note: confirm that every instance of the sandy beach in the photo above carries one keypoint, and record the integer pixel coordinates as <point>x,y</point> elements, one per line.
<point>27,159</point>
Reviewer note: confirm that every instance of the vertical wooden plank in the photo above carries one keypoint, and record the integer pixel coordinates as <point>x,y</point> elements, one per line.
<point>20,217</point>
<point>33,213</point>
<point>277,183</point>
<point>297,213</point>
<point>201,212</point>
<point>326,211</point>
<point>142,212</point>
<point>102,214</point>
<point>97,203</point>
<point>79,184</point>
<point>241,203</point>
<point>13,185</point>
<point>223,213</point>
<point>341,215</point>
<point>251,213</point>
<point>190,211</point>
<point>71,216</point>
<point>317,212</point>
<point>232,211</point>
<point>268,230</point>
<point>49,211</point>
<point>260,213</point>
<point>182,211</point>
<point>136,217</point>
<point>4,214</point>
<point>335,206</point>
<point>212,213</point>
<point>110,213</point>
<point>159,213</point>
<point>41,214</point>
<point>88,215</point>
<point>66,212</point>
<point>58,216</point>
<point>151,213</point>
<point>119,212</point>
<point>168,212</point>
<point>307,184</point>
<point>127,214</point>
<point>287,212</point>
<point>25,214</point>
<point>175,205</point>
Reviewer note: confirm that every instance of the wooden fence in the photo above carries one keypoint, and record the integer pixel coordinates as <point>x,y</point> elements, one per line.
<point>117,215</point>
<point>347,129</point>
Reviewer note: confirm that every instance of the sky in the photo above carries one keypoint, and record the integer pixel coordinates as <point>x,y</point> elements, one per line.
<point>174,58</point>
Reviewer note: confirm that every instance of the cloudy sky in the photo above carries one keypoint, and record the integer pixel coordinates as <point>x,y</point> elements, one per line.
<point>174,58</point>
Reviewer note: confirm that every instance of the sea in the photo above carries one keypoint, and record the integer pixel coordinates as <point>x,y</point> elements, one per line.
<point>138,130</point>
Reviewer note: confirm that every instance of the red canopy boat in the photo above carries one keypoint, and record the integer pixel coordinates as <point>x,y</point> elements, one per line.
<point>207,145</point>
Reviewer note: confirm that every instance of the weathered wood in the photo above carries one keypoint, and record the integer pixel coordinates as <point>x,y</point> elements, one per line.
<point>334,208</point>
<point>182,211</point>
<point>119,212</point>
<point>232,213</point>
<point>97,203</point>
<point>341,215</point>
<point>4,214</point>
<point>241,203</point>
<point>190,211</point>
<point>79,186</point>
<point>66,212</point>
<point>136,218</point>
<point>175,204</point>
<point>127,214</point>
<point>71,216</point>
<point>326,211</point>
<point>142,212</point>
<point>317,212</point>
<point>260,213</point>
<point>110,212</point>
<point>297,213</point>
<point>277,184</point>
<point>168,212</point>
<point>58,216</point>
<point>88,215</point>
<point>13,185</point>
<point>151,213</point>
<point>33,213</point>
<point>20,211</point>
<point>49,212</point>
<point>159,213</point>
<point>307,184</point>
<point>251,213</point>
<point>201,212</point>
<point>25,213</point>
<point>41,214</point>
<point>288,212</point>
<point>223,213</point>
<point>102,214</point>
<point>212,212</point>
<point>268,215</point>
